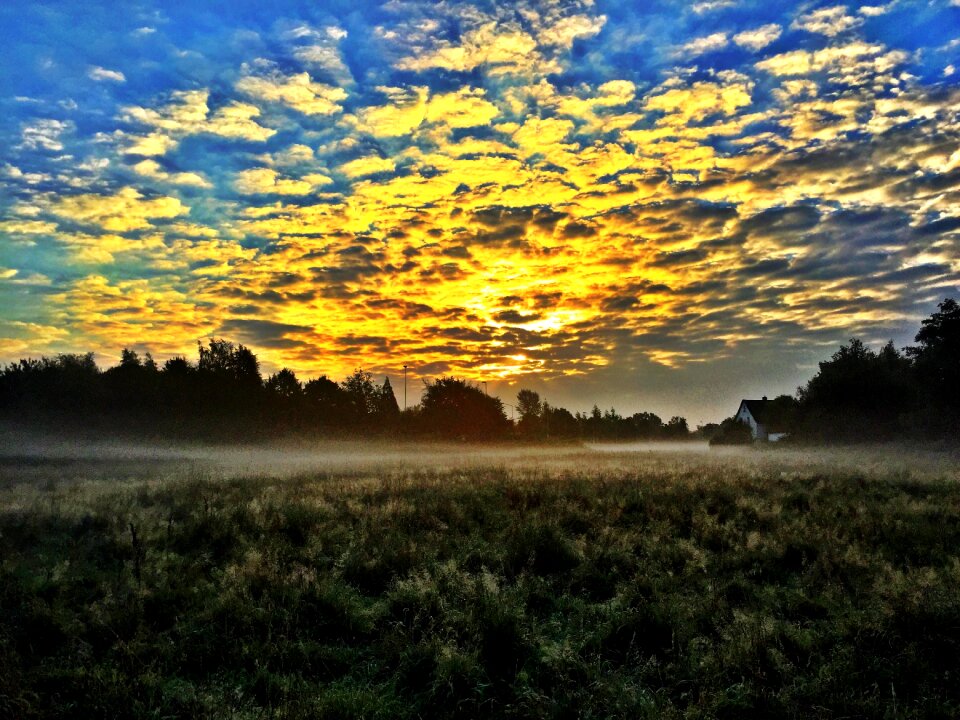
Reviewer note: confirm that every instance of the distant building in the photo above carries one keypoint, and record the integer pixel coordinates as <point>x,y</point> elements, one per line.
<point>762,418</point>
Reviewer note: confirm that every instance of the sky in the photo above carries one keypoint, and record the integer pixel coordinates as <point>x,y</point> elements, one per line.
<point>661,206</point>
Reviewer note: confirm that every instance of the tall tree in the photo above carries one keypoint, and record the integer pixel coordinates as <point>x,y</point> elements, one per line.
<point>284,384</point>
<point>388,410</point>
<point>857,394</point>
<point>530,410</point>
<point>937,356</point>
<point>455,408</point>
<point>362,396</point>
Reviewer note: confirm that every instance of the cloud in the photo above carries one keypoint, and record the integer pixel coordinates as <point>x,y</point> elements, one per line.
<point>852,62</point>
<point>153,169</point>
<point>265,333</point>
<point>103,75</point>
<point>319,48</point>
<point>563,32</point>
<point>297,91</point>
<point>682,105</point>
<point>876,10</point>
<point>265,180</point>
<point>189,113</point>
<point>150,145</point>
<point>501,46</point>
<point>44,134</point>
<point>711,5</point>
<point>368,165</point>
<point>758,38</point>
<point>408,110</point>
<point>705,44</point>
<point>829,21</point>
<point>127,210</point>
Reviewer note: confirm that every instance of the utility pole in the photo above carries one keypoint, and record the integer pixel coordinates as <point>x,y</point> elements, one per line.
<point>404,387</point>
<point>485,388</point>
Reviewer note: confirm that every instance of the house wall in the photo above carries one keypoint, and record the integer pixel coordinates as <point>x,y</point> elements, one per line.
<point>756,429</point>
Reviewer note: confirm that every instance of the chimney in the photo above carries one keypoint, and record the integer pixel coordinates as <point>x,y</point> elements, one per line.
<point>764,397</point>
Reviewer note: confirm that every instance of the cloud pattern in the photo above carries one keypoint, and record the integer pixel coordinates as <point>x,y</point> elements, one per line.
<point>663,207</point>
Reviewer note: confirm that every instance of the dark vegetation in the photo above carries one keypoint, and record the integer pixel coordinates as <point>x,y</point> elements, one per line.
<point>861,394</point>
<point>224,397</point>
<point>705,592</point>
<point>858,394</point>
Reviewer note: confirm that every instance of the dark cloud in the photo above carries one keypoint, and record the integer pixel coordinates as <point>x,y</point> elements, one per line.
<point>263,333</point>
<point>516,317</point>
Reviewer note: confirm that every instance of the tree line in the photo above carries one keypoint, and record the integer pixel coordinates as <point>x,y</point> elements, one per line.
<point>858,394</point>
<point>223,395</point>
<point>861,394</point>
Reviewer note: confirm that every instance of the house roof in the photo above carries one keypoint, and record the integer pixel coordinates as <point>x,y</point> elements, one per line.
<point>767,413</point>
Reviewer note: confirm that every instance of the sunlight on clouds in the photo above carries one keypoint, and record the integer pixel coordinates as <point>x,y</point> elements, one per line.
<point>27,227</point>
<point>694,103</point>
<point>111,312</point>
<point>500,48</point>
<point>189,114</point>
<point>498,191</point>
<point>758,38</point>
<point>842,60</point>
<point>705,44</point>
<point>127,210</point>
<point>565,30</point>
<point>153,169</point>
<point>104,249</point>
<point>830,21</point>
<point>150,145</point>
<point>368,165</point>
<point>408,110</point>
<point>296,91</point>
<point>265,180</point>
<point>26,339</point>
<point>101,74</point>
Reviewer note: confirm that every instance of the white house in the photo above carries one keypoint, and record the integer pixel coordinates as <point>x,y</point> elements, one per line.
<point>764,425</point>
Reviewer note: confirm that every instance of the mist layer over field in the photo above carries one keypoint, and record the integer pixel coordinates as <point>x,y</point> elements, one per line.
<point>52,459</point>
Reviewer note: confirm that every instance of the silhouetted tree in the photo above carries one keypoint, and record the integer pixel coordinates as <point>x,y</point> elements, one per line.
<point>285,401</point>
<point>284,384</point>
<point>132,388</point>
<point>229,387</point>
<point>388,411</point>
<point>857,394</point>
<point>676,428</point>
<point>936,358</point>
<point>530,410</point>
<point>327,403</point>
<point>559,422</point>
<point>647,425</point>
<point>362,396</point>
<point>731,432</point>
<point>454,408</point>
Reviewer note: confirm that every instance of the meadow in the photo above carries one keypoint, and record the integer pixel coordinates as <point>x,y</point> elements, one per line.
<point>442,581</point>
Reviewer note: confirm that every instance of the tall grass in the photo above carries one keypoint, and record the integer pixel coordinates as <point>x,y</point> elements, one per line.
<point>744,585</point>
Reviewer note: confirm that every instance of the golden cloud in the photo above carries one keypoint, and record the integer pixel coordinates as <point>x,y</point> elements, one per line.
<point>265,180</point>
<point>126,210</point>
<point>298,91</point>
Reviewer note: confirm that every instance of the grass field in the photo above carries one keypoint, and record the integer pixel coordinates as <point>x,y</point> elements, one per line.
<point>352,581</point>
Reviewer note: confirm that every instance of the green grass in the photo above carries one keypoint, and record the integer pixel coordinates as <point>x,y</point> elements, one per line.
<point>746,586</point>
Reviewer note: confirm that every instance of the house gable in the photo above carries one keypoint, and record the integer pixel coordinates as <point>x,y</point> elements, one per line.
<point>763,418</point>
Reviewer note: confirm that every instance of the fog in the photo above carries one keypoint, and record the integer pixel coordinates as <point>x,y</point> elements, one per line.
<point>28,460</point>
